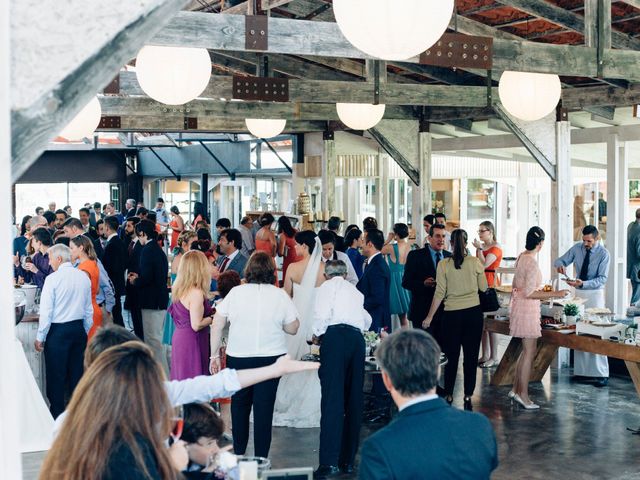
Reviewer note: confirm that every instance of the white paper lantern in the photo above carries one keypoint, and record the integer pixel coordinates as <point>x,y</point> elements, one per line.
<point>173,75</point>
<point>265,127</point>
<point>360,116</point>
<point>392,29</point>
<point>529,96</point>
<point>84,123</point>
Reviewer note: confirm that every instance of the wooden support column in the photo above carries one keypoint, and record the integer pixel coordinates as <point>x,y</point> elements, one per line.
<point>329,161</point>
<point>616,237</point>
<point>425,149</point>
<point>37,123</point>
<point>10,461</point>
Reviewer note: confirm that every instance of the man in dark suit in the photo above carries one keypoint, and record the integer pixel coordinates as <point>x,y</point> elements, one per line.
<point>428,438</point>
<point>134,249</point>
<point>230,243</point>
<point>375,281</point>
<point>420,279</point>
<point>333,225</point>
<point>151,282</point>
<point>115,263</point>
<point>130,206</point>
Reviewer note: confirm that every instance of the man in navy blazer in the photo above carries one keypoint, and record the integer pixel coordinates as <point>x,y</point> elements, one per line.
<point>230,243</point>
<point>375,281</point>
<point>428,439</point>
<point>420,279</point>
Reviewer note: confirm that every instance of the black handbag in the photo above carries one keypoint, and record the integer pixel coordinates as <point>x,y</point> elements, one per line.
<point>489,298</point>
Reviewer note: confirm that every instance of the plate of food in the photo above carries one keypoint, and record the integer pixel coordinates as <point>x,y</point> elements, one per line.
<point>504,288</point>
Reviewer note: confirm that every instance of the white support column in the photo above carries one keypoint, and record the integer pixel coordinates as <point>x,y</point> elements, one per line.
<point>617,200</point>
<point>562,206</point>
<point>10,462</point>
<point>329,176</point>
<point>425,150</point>
<point>416,213</point>
<point>383,219</point>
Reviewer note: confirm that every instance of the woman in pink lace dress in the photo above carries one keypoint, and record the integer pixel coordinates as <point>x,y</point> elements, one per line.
<point>525,313</point>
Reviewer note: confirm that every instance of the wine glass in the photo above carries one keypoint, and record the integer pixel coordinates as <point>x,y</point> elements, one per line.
<point>178,424</point>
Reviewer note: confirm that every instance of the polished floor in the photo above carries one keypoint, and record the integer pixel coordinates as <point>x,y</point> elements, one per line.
<point>579,433</point>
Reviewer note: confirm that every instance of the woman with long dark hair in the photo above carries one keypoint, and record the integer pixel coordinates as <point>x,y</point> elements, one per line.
<point>116,443</point>
<point>353,241</point>
<point>286,243</point>
<point>199,214</point>
<point>458,280</point>
<point>265,238</point>
<point>524,321</point>
<point>176,225</point>
<point>21,241</point>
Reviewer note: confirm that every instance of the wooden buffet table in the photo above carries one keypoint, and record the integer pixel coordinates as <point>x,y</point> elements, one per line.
<point>548,346</point>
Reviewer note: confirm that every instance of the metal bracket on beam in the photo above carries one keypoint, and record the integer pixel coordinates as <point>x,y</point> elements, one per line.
<point>261,88</point>
<point>489,88</point>
<point>114,86</point>
<point>273,150</point>
<point>165,164</point>
<point>109,122</point>
<point>376,82</point>
<point>328,135</point>
<point>190,123</point>
<point>256,35</point>
<point>232,175</point>
<point>463,51</point>
<point>535,152</point>
<point>600,38</point>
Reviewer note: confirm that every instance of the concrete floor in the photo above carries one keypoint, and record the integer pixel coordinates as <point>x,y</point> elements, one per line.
<point>579,433</point>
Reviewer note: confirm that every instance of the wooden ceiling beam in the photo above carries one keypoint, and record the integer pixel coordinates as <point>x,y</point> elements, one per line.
<point>300,37</point>
<point>322,91</point>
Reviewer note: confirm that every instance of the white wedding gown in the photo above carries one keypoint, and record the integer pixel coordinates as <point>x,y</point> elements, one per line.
<point>298,398</point>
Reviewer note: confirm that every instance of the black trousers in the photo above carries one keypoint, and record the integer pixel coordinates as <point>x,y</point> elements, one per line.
<point>262,397</point>
<point>341,381</point>
<point>117,312</point>
<point>461,328</point>
<point>63,354</point>
<point>136,319</point>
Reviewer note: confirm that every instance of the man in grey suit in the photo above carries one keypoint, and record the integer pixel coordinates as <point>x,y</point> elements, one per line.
<point>633,257</point>
<point>230,243</point>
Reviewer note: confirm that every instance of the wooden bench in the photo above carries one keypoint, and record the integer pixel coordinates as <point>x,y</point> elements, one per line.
<point>548,346</point>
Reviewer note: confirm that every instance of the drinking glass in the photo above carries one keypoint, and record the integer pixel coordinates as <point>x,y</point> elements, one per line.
<point>178,424</point>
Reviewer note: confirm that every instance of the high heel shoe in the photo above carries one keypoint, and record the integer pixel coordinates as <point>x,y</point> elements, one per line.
<point>526,406</point>
<point>467,404</point>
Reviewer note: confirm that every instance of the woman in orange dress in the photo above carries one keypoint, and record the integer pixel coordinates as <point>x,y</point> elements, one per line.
<point>82,251</point>
<point>266,240</point>
<point>286,243</point>
<point>176,225</point>
<point>490,254</point>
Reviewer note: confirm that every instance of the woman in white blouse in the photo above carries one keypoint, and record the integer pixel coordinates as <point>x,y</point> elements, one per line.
<point>260,315</point>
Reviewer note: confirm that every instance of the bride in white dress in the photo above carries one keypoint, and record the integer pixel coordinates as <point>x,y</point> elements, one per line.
<point>298,398</point>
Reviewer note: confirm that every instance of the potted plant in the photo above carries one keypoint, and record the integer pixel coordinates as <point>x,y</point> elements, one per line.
<point>571,312</point>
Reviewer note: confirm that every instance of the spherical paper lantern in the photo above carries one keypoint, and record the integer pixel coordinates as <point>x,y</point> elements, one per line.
<point>265,127</point>
<point>392,29</point>
<point>529,96</point>
<point>84,123</point>
<point>173,75</point>
<point>360,116</point>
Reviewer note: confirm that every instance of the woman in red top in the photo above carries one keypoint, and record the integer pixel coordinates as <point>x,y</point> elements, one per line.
<point>286,243</point>
<point>490,254</point>
<point>176,225</point>
<point>82,251</point>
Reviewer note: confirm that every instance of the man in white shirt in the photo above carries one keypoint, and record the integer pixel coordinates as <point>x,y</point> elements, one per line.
<point>66,315</point>
<point>329,252</point>
<point>340,319</point>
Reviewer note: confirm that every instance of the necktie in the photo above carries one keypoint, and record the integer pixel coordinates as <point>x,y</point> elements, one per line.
<point>438,258</point>
<point>224,264</point>
<point>130,249</point>
<point>585,266</point>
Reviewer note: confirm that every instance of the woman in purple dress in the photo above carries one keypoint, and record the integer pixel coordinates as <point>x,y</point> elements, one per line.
<point>192,315</point>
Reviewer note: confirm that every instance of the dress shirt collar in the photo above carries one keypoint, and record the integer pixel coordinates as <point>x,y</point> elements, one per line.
<point>370,259</point>
<point>419,399</point>
<point>65,265</point>
<point>111,236</point>
<point>233,255</point>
